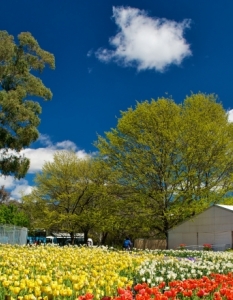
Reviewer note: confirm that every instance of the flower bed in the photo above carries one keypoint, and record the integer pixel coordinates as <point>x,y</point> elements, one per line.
<point>73,272</point>
<point>65,272</point>
<point>216,287</point>
<point>179,268</point>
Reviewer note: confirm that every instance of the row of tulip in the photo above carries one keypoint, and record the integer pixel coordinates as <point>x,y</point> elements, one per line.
<point>65,272</point>
<point>29,273</point>
<point>154,271</point>
<point>217,287</point>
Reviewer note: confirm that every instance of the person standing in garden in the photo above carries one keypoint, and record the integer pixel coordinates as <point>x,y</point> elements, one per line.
<point>127,244</point>
<point>89,242</point>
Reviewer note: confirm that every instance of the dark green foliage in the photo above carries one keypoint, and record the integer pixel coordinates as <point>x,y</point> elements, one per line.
<point>11,214</point>
<point>19,116</point>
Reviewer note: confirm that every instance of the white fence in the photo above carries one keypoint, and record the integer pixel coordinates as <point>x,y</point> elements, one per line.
<point>10,234</point>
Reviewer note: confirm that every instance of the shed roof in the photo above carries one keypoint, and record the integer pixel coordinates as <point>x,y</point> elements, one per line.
<point>229,207</point>
<point>66,235</point>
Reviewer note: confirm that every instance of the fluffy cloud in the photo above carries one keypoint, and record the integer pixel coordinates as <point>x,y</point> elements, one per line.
<point>7,181</point>
<point>40,155</point>
<point>37,158</point>
<point>145,42</point>
<point>16,187</point>
<point>21,188</point>
<point>230,115</point>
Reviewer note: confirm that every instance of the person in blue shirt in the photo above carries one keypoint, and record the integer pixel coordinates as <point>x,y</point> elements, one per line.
<point>127,244</point>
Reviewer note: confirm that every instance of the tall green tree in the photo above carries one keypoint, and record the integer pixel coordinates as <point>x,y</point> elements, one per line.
<point>178,158</point>
<point>19,116</point>
<point>68,194</point>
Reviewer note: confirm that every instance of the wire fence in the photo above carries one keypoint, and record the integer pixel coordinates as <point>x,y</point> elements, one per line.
<point>10,234</point>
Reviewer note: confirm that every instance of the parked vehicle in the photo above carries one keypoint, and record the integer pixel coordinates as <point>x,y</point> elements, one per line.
<point>63,239</point>
<point>36,236</point>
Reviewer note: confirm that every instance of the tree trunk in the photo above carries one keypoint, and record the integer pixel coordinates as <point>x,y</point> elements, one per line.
<point>104,237</point>
<point>72,237</point>
<point>166,227</point>
<point>166,234</point>
<point>85,235</point>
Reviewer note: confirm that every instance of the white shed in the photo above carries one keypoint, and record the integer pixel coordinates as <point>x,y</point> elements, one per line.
<point>213,226</point>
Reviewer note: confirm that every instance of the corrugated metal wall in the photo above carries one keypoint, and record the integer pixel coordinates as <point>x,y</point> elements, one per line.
<point>213,226</point>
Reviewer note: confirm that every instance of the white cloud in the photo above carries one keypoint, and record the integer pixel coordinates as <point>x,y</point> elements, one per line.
<point>67,145</point>
<point>37,158</point>
<point>145,42</point>
<point>16,187</point>
<point>44,139</point>
<point>7,181</point>
<point>230,115</point>
<point>41,155</point>
<point>89,53</point>
<point>22,188</point>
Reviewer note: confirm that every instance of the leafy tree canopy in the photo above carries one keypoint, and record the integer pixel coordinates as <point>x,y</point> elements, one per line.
<point>179,158</point>
<point>11,211</point>
<point>68,194</point>
<point>19,116</point>
<point>12,214</point>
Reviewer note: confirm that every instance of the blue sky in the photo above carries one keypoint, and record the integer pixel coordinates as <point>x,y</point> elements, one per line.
<point>110,54</point>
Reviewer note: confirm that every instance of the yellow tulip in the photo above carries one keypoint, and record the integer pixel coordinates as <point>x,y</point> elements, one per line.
<point>76,287</point>
<point>6,283</point>
<point>15,290</point>
<point>54,284</point>
<point>37,292</point>
<point>56,293</point>
<point>47,289</point>
<point>62,271</point>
